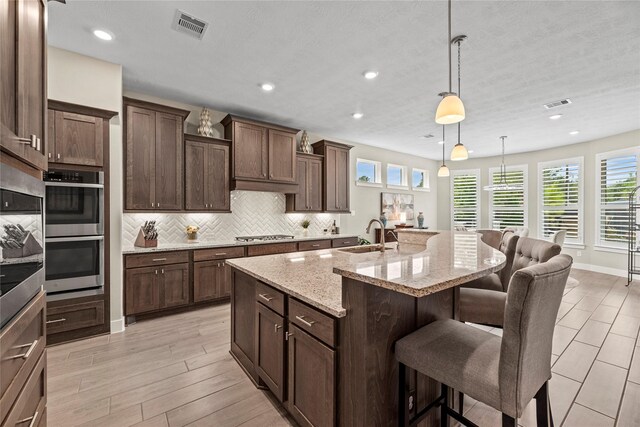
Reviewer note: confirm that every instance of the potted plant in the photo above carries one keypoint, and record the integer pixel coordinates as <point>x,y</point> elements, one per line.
<point>192,232</point>
<point>305,226</point>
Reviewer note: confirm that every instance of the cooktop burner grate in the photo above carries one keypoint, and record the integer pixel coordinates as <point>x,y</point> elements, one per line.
<point>263,238</point>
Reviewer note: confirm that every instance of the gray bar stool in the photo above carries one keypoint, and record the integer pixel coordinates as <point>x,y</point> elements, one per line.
<point>498,281</point>
<point>503,372</point>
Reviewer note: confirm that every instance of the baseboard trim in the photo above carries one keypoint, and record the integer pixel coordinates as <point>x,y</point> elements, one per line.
<point>117,325</point>
<point>600,269</point>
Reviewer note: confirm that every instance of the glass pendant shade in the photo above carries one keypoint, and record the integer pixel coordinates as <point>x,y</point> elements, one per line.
<point>459,152</point>
<point>450,110</point>
<point>443,172</point>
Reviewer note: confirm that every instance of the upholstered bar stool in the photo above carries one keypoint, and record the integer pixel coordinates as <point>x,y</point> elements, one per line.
<point>486,306</point>
<point>505,372</point>
<point>500,280</point>
<point>491,237</point>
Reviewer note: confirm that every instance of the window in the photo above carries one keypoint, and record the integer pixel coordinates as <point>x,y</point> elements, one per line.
<point>396,176</point>
<point>465,200</point>
<point>616,175</point>
<point>560,198</point>
<point>420,179</point>
<point>369,173</point>
<point>508,208</point>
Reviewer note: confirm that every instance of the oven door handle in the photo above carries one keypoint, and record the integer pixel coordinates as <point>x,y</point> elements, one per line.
<point>72,184</point>
<point>73,239</point>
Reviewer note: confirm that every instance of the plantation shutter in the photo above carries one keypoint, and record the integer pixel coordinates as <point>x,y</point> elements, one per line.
<point>508,208</point>
<point>465,188</point>
<point>561,199</point>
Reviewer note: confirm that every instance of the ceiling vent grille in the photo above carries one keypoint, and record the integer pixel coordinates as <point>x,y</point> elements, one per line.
<point>188,24</point>
<point>555,104</point>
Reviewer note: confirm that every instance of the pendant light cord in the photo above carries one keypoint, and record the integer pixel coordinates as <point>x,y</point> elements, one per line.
<point>443,144</point>
<point>449,47</point>
<point>458,83</point>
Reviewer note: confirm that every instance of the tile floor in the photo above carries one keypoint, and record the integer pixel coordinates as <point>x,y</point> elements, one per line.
<point>176,370</point>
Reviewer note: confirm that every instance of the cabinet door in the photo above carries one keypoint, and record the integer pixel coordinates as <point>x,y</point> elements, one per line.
<point>217,179</point>
<point>270,349</point>
<point>8,75</point>
<point>195,170</point>
<point>142,286</point>
<point>300,198</point>
<point>209,280</point>
<point>243,315</point>
<point>141,155</point>
<point>79,139</point>
<point>312,385</point>
<point>282,156</point>
<point>314,184</point>
<point>175,284</point>
<point>169,162</point>
<point>250,152</point>
<point>337,179</point>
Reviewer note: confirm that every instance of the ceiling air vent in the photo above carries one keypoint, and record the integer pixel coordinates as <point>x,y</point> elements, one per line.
<point>555,104</point>
<point>188,24</point>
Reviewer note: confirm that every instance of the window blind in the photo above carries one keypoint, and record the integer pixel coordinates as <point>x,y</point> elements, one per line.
<point>561,199</point>
<point>465,203</point>
<point>508,208</point>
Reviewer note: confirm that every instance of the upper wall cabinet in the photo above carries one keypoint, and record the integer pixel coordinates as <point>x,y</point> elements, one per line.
<point>23,76</point>
<point>207,174</point>
<point>77,134</point>
<point>308,197</point>
<point>336,180</point>
<point>154,156</point>
<point>263,156</point>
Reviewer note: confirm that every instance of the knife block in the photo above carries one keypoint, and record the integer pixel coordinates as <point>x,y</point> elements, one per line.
<point>30,246</point>
<point>141,242</point>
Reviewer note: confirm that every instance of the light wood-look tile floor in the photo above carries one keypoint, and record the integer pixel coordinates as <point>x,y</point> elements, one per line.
<point>176,370</point>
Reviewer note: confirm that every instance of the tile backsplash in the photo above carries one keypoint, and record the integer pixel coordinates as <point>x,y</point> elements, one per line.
<point>253,213</point>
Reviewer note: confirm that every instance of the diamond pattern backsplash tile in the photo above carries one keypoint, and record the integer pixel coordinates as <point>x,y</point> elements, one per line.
<point>253,213</point>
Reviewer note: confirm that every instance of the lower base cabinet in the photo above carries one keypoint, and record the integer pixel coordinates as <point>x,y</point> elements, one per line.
<point>154,288</point>
<point>270,350</point>
<point>211,281</point>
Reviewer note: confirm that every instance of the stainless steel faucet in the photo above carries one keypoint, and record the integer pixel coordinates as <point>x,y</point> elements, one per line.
<point>382,231</point>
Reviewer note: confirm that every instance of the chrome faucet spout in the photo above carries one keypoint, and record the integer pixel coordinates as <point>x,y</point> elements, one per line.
<point>381,231</point>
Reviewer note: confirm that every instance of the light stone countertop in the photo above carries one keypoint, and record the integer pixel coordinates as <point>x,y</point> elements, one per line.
<point>204,244</point>
<point>315,277</point>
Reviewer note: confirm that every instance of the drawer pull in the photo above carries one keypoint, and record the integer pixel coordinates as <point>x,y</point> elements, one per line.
<point>221,253</point>
<point>62,319</point>
<point>306,322</point>
<point>315,246</point>
<point>267,298</point>
<point>32,418</point>
<point>287,335</point>
<point>276,327</point>
<point>24,355</point>
<point>158,259</point>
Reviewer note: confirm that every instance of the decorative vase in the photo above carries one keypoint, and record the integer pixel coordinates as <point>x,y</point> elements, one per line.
<point>305,147</point>
<point>305,231</point>
<point>420,220</point>
<point>206,127</point>
<point>383,219</point>
<point>192,236</point>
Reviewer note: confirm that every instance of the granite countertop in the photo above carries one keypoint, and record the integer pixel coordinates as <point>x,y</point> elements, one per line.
<point>23,260</point>
<point>203,244</point>
<point>315,277</point>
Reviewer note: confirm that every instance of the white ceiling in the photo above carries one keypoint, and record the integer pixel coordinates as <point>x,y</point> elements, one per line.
<point>519,55</point>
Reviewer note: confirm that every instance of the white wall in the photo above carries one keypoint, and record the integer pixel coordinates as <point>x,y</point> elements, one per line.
<point>88,81</point>
<point>614,263</point>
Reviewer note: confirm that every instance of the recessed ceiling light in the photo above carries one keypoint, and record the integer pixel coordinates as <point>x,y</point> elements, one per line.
<point>103,35</point>
<point>574,132</point>
<point>555,116</point>
<point>357,115</point>
<point>370,75</point>
<point>267,87</point>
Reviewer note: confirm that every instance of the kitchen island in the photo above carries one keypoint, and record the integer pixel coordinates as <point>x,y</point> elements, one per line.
<point>318,328</point>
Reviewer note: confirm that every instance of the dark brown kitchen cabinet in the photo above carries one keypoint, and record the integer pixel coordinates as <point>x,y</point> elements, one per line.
<point>175,285</point>
<point>77,134</point>
<point>154,288</point>
<point>154,156</point>
<point>243,326</point>
<point>23,76</point>
<point>270,350</point>
<point>312,380</point>
<point>211,280</point>
<point>207,174</point>
<point>308,196</point>
<point>263,155</point>
<point>336,181</point>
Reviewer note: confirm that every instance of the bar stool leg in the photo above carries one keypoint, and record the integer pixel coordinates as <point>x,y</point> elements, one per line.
<point>461,403</point>
<point>543,407</point>
<point>403,402</point>
<point>444,406</point>
<point>508,421</point>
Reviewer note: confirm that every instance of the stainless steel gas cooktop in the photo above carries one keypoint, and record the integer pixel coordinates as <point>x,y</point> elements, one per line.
<point>263,238</point>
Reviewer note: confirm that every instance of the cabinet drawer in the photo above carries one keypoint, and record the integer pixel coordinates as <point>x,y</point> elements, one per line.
<point>158,258</point>
<point>29,407</point>
<point>218,253</point>
<point>348,241</point>
<point>270,297</point>
<point>314,245</point>
<point>75,316</point>
<point>273,248</point>
<point>311,320</point>
<point>21,343</point>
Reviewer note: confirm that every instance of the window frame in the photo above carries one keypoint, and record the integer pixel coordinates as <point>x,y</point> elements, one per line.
<point>425,174</point>
<point>569,242</point>
<point>377,172</point>
<point>404,183</point>
<point>525,193</point>
<point>463,172</point>
<point>599,242</point>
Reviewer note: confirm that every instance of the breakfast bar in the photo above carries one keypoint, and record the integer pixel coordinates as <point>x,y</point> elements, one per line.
<point>318,328</point>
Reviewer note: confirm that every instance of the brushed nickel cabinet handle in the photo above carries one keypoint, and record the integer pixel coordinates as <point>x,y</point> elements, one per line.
<point>306,322</point>
<point>221,253</point>
<point>32,418</point>
<point>62,319</point>
<point>276,327</point>
<point>315,246</point>
<point>50,156</point>
<point>26,354</point>
<point>156,272</point>
<point>162,270</point>
<point>267,298</point>
<point>158,259</point>
<point>38,144</point>
<point>287,335</point>
<point>32,141</point>
<point>58,156</point>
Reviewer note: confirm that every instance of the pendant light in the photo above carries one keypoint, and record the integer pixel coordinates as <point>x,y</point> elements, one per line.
<point>459,151</point>
<point>443,172</point>
<point>503,185</point>
<point>451,109</point>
